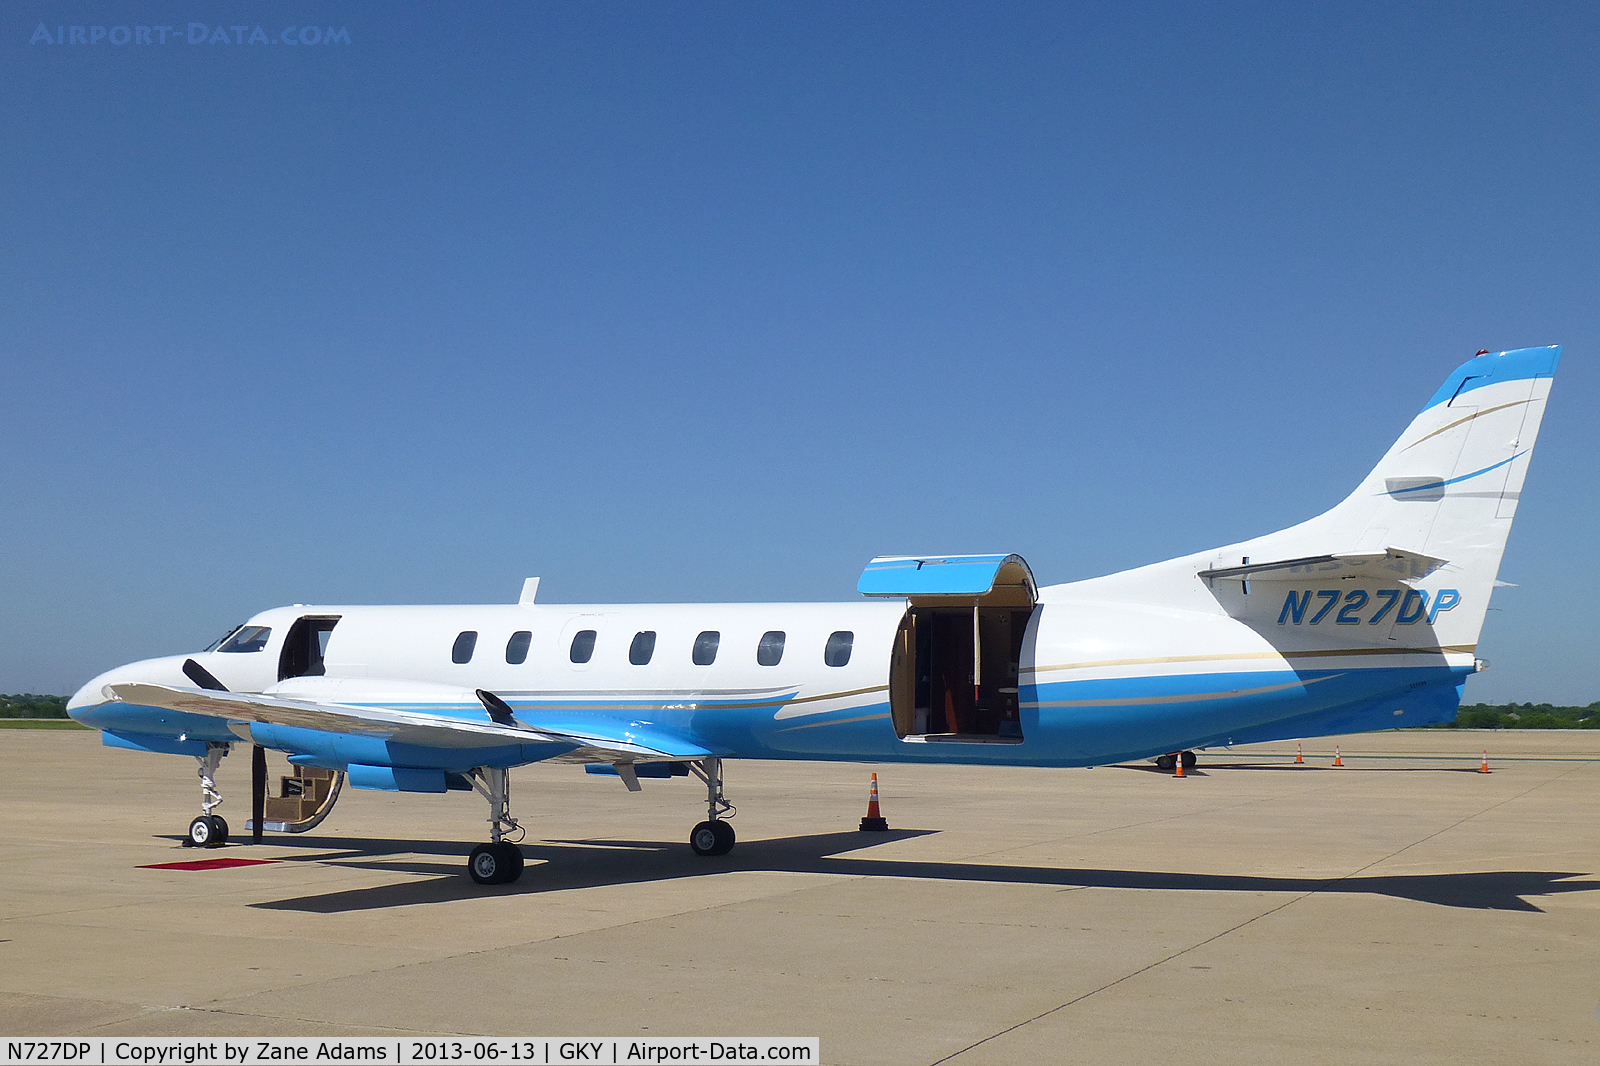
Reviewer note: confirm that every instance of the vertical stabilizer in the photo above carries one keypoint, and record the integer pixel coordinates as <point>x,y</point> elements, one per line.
<point>1432,517</point>
<point>1407,560</point>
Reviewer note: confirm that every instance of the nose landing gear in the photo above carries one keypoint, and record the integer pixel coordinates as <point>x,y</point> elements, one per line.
<point>209,830</point>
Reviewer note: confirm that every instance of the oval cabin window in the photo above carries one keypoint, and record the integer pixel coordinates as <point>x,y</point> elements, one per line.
<point>770,651</point>
<point>705,647</point>
<point>837,653</point>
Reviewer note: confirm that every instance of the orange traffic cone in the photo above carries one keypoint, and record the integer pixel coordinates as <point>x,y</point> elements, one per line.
<point>1483,767</point>
<point>1299,756</point>
<point>874,821</point>
<point>1337,761</point>
<point>1177,765</point>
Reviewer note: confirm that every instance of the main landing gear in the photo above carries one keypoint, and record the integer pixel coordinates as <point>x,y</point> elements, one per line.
<point>499,862</point>
<point>1169,763</point>
<point>712,836</point>
<point>209,830</point>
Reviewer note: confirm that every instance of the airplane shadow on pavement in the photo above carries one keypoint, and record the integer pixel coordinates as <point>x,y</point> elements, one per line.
<point>557,865</point>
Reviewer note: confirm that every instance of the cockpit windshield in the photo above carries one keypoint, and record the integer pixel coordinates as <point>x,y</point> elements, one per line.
<point>247,638</point>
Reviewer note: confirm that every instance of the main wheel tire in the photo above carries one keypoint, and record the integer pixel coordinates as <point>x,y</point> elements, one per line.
<point>706,837</point>
<point>488,864</point>
<point>725,837</point>
<point>513,862</point>
<point>1166,762</point>
<point>219,835</point>
<point>1189,760</point>
<point>200,832</point>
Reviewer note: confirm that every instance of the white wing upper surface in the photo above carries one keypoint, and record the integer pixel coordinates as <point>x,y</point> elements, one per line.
<point>407,727</point>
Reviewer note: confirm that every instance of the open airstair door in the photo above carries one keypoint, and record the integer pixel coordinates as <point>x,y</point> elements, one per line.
<point>953,674</point>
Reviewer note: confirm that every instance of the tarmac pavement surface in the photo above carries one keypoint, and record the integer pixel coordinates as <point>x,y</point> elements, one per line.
<point>1404,908</point>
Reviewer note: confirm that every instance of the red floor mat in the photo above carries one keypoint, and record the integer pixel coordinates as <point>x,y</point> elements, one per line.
<point>206,864</point>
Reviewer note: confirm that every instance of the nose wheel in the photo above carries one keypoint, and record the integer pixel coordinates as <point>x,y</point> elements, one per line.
<point>207,831</point>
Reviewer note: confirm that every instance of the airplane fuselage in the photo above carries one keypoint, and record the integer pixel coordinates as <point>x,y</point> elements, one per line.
<point>1089,683</point>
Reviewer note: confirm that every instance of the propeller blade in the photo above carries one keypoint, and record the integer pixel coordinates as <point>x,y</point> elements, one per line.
<point>499,710</point>
<point>258,791</point>
<point>202,677</point>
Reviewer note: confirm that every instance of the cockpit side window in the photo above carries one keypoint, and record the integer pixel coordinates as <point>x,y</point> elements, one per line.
<point>247,638</point>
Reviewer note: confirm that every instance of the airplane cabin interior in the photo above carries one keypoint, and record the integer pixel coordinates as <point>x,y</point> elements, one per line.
<point>954,675</point>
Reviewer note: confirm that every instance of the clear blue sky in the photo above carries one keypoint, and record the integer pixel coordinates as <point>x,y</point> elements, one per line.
<point>717,300</point>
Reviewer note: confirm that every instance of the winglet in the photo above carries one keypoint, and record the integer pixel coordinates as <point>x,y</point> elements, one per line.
<point>530,589</point>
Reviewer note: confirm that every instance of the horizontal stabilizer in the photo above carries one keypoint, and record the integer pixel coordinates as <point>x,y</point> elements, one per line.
<point>1389,564</point>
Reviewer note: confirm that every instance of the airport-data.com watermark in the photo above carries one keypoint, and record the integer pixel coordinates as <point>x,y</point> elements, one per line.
<point>195,33</point>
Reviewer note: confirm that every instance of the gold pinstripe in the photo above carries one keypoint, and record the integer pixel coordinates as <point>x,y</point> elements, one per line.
<point>1189,697</point>
<point>1256,655</point>
<point>834,721</point>
<point>1460,421</point>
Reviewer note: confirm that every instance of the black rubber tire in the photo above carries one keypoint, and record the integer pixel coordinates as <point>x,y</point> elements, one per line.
<point>1167,763</point>
<point>487,864</point>
<point>513,862</point>
<point>200,833</point>
<point>725,837</point>
<point>1189,760</point>
<point>219,835</point>
<point>705,838</point>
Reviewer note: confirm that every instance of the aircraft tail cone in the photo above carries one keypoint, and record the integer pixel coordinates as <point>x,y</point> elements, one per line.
<point>1483,767</point>
<point>874,821</point>
<point>1337,760</point>
<point>1299,756</point>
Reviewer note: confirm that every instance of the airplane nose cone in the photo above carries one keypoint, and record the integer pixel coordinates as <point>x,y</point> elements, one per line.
<point>90,695</point>
<point>164,671</point>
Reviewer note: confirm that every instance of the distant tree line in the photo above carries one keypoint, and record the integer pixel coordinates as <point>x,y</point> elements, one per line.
<point>1525,716</point>
<point>30,705</point>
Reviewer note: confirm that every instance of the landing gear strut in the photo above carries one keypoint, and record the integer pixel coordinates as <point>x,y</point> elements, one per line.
<point>498,862</point>
<point>208,830</point>
<point>714,836</point>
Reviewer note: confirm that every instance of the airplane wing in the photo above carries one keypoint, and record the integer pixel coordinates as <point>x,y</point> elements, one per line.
<point>411,727</point>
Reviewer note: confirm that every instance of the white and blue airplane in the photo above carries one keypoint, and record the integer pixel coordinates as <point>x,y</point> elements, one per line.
<point>1365,617</point>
